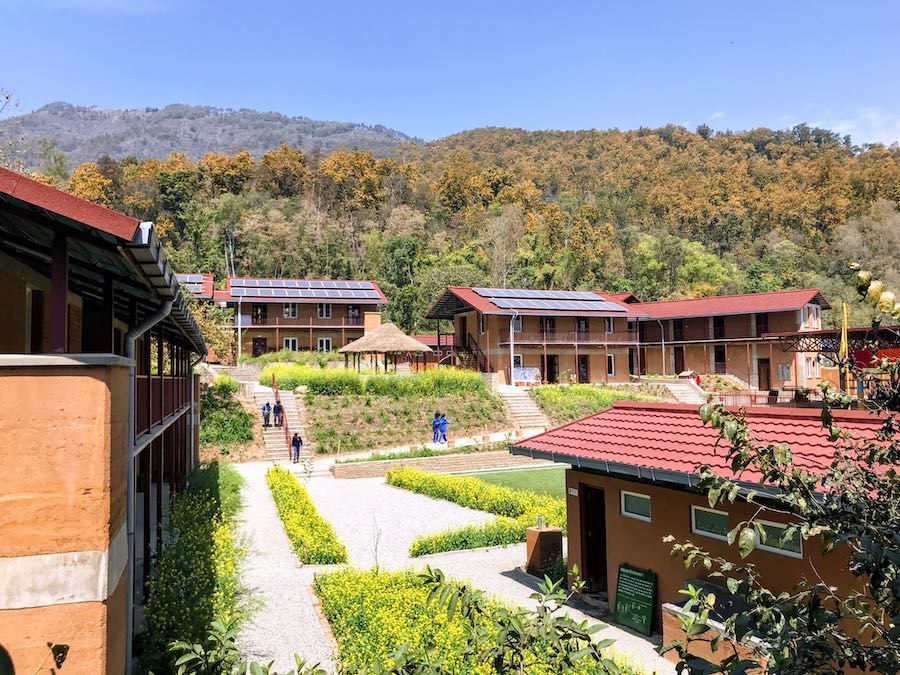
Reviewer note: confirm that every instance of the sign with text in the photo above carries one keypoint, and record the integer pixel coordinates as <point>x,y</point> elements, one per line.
<point>635,592</point>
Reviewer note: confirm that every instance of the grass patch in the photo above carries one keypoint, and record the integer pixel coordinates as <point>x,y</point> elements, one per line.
<point>518,510</point>
<point>223,420</point>
<point>340,381</point>
<point>195,580</point>
<point>545,481</point>
<point>352,423</point>
<point>564,404</point>
<point>311,535</point>
<point>426,452</point>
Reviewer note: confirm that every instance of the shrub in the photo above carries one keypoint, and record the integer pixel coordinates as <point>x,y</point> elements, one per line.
<point>311,535</point>
<point>223,420</point>
<point>305,357</point>
<point>400,622</point>
<point>196,577</point>
<point>564,404</point>
<point>435,382</point>
<point>317,380</point>
<point>519,510</point>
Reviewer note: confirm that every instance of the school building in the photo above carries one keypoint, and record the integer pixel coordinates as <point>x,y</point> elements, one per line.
<point>99,421</point>
<point>529,336</point>
<point>297,314</point>
<point>633,480</point>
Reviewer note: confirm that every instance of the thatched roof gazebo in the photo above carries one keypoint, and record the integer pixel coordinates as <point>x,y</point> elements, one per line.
<point>387,339</point>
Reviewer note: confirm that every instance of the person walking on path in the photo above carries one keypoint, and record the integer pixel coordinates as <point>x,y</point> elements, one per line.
<point>296,444</point>
<point>266,411</point>
<point>279,411</point>
<point>435,428</point>
<point>442,427</point>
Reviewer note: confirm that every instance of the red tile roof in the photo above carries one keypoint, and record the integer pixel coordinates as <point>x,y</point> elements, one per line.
<point>484,305</point>
<point>720,305</point>
<point>642,438</point>
<point>68,206</point>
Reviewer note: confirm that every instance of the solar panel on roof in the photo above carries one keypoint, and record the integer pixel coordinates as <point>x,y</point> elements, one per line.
<point>190,278</point>
<point>558,305</point>
<point>528,293</point>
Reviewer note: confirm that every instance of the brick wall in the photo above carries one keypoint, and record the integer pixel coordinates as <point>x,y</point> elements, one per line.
<point>478,461</point>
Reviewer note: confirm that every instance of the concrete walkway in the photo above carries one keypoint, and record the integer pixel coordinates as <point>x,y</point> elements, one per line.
<point>284,622</point>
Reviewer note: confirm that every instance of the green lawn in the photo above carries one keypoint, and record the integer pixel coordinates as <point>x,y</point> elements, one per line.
<point>550,481</point>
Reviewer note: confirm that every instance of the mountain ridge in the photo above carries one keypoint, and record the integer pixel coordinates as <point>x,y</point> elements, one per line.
<point>84,133</point>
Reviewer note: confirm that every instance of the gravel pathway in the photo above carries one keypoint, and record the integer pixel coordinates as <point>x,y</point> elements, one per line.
<point>378,522</point>
<point>285,623</point>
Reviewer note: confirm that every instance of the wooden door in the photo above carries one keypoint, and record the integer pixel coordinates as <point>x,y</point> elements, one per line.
<point>584,372</point>
<point>259,346</point>
<point>765,374</point>
<point>679,359</point>
<point>593,538</point>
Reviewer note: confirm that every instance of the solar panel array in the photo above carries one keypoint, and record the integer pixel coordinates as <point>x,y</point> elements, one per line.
<point>563,301</point>
<point>313,289</point>
<point>190,278</point>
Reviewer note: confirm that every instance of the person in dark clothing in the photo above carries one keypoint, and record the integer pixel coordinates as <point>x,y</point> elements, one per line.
<point>266,411</point>
<point>279,411</point>
<point>435,431</point>
<point>442,427</point>
<point>296,444</point>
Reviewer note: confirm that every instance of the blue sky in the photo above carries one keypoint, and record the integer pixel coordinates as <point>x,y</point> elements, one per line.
<point>432,68</point>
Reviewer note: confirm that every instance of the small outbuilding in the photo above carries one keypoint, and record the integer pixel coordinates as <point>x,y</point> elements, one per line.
<point>388,341</point>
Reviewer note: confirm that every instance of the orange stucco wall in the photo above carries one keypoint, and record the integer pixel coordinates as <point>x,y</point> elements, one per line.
<point>94,632</point>
<point>641,543</point>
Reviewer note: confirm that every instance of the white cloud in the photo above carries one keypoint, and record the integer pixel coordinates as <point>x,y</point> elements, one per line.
<point>719,115</point>
<point>869,124</point>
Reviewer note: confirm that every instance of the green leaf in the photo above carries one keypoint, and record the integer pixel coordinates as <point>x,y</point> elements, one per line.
<point>747,541</point>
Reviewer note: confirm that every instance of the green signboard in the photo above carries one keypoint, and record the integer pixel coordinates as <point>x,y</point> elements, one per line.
<point>635,591</point>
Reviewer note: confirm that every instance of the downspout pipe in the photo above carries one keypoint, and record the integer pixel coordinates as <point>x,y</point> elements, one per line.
<point>662,337</point>
<point>130,339</point>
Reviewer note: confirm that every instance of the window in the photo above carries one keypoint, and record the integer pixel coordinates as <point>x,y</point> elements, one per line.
<point>812,367</point>
<point>610,364</point>
<point>290,310</point>
<point>323,310</point>
<point>678,329</point>
<point>289,343</point>
<point>776,542</point>
<point>608,324</point>
<point>581,326</point>
<point>718,327</point>
<point>719,359</point>
<point>517,360</point>
<point>353,315</point>
<point>762,324</point>
<point>636,505</point>
<point>324,344</point>
<point>517,324</point>
<point>709,523</point>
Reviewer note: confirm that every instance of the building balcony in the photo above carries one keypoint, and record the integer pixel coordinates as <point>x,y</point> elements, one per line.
<point>249,321</point>
<point>559,337</point>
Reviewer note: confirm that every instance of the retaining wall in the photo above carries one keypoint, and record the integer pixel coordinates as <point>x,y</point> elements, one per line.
<point>476,461</point>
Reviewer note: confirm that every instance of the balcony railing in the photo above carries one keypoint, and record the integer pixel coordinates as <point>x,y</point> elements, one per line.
<point>247,320</point>
<point>572,337</point>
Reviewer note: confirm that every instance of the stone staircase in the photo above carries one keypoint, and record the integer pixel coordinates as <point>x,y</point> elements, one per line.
<point>277,447</point>
<point>242,373</point>
<point>684,391</point>
<point>523,410</point>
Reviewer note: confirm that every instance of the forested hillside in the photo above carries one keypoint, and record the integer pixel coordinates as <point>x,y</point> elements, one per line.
<point>85,133</point>
<point>659,212</point>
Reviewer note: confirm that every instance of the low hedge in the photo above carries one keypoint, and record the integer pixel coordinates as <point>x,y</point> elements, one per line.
<point>195,579</point>
<point>311,535</point>
<point>340,381</point>
<point>305,357</point>
<point>518,509</point>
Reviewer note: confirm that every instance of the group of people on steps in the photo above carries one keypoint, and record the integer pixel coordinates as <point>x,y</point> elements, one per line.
<point>278,410</point>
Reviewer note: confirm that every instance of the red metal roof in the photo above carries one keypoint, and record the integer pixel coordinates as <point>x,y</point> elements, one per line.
<point>484,305</point>
<point>202,289</point>
<point>671,437</point>
<point>68,206</point>
<point>721,305</point>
